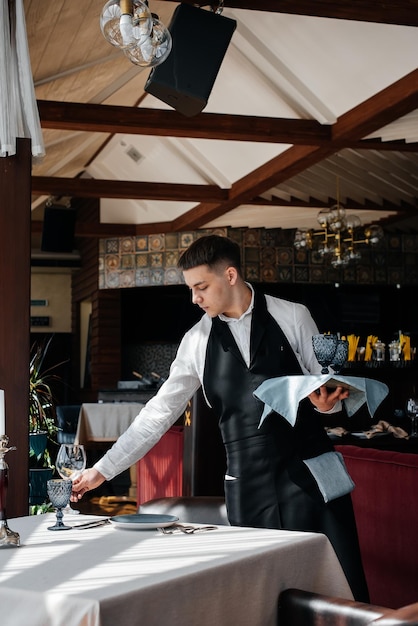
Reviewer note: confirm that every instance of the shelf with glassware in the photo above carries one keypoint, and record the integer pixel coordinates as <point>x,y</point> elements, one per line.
<point>373,352</point>
<point>391,420</point>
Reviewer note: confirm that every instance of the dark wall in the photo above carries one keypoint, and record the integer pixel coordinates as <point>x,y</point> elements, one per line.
<point>157,313</point>
<point>163,314</point>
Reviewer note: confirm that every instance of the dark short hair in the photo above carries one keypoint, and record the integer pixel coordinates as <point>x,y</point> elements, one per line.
<point>211,250</point>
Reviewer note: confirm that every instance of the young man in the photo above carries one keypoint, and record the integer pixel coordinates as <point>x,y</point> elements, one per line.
<point>242,339</point>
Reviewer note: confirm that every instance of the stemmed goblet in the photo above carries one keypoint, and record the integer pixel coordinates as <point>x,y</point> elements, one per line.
<point>70,462</point>
<point>324,347</point>
<point>412,412</point>
<point>340,356</point>
<point>59,492</point>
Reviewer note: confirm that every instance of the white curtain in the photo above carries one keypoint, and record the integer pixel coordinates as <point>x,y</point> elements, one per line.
<point>19,116</point>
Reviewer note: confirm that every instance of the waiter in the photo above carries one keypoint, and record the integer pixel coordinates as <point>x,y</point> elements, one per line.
<point>242,339</point>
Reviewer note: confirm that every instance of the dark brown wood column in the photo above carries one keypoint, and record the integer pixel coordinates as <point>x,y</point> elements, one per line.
<point>15,216</point>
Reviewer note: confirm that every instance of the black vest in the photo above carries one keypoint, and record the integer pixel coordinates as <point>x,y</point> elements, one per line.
<point>258,458</point>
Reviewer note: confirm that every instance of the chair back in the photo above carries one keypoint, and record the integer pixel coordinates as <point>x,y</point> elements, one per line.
<point>194,509</point>
<point>303,608</point>
<point>67,421</point>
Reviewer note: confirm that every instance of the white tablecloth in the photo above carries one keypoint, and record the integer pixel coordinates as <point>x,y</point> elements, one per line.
<point>226,576</point>
<point>105,422</point>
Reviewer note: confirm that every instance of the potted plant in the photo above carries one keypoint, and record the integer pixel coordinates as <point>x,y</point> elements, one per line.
<point>42,424</point>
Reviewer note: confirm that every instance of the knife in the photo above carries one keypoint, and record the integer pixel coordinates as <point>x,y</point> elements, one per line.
<point>93,523</point>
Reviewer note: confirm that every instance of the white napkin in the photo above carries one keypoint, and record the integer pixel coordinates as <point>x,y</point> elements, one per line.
<point>284,393</point>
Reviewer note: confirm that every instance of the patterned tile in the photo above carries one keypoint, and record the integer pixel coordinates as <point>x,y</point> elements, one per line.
<point>364,274</point>
<point>251,255</point>
<point>268,274</point>
<point>127,244</point>
<point>112,245</point>
<point>251,237</point>
<point>302,274</point>
<point>252,272</point>
<point>300,257</point>
<point>285,274</point>
<point>112,279</point>
<point>268,255</point>
<point>317,274</point>
<point>156,242</point>
<point>186,239</point>
<point>395,275</point>
<point>142,243</point>
<point>127,261</point>
<point>157,277</point>
<point>171,258</point>
<point>112,262</point>
<point>410,243</point>
<point>141,260</point>
<point>142,277</point>
<point>285,256</point>
<point>171,241</point>
<point>172,276</point>
<point>127,278</point>
<point>155,259</point>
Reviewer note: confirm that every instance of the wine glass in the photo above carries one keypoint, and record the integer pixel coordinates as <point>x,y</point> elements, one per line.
<point>412,412</point>
<point>340,356</point>
<point>324,347</point>
<point>59,492</point>
<point>70,462</point>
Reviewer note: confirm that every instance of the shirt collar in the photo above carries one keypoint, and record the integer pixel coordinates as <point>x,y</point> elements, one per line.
<point>225,318</point>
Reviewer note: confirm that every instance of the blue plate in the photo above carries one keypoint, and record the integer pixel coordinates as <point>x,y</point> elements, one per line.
<point>143,521</point>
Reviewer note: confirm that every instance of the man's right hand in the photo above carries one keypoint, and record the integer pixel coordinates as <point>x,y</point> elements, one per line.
<point>88,479</point>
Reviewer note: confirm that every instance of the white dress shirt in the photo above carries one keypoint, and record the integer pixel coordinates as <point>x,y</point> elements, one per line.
<point>186,376</point>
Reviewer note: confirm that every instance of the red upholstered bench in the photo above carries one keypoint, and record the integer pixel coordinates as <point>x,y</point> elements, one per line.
<point>385,502</point>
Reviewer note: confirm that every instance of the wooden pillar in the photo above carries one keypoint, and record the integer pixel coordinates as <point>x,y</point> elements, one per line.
<point>15,217</point>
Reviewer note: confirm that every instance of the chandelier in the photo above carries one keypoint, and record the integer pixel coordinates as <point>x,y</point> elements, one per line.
<point>339,235</point>
<point>130,26</point>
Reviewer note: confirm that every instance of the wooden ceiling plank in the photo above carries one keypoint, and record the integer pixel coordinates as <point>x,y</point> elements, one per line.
<point>393,102</point>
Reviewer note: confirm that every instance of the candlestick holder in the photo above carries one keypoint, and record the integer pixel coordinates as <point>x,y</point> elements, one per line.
<point>8,538</point>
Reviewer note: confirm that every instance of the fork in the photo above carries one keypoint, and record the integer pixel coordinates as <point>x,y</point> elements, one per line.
<point>183,528</point>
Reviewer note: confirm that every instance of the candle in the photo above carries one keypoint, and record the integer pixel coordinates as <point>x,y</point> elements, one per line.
<point>2,414</point>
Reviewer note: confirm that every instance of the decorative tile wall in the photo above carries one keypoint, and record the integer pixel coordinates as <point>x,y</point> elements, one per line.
<point>268,255</point>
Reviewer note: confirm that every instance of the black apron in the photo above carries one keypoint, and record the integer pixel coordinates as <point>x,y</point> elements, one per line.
<point>270,486</point>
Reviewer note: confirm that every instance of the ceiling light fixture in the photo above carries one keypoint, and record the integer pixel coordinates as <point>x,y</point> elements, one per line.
<point>130,26</point>
<point>339,236</point>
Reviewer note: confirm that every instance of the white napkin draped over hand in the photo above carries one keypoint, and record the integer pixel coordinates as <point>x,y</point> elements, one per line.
<point>284,393</point>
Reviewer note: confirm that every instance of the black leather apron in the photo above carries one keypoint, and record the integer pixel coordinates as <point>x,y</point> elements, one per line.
<point>271,487</point>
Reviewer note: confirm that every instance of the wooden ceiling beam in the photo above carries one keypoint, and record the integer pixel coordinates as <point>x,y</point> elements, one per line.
<point>402,12</point>
<point>378,111</point>
<point>126,189</point>
<point>75,116</point>
<point>161,123</point>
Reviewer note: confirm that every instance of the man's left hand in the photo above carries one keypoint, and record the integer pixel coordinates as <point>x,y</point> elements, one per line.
<point>324,399</point>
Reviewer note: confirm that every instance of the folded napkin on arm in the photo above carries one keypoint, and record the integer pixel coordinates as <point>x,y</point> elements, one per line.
<point>282,395</point>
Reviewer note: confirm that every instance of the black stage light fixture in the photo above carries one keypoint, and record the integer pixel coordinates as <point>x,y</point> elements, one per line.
<point>200,39</point>
<point>58,229</point>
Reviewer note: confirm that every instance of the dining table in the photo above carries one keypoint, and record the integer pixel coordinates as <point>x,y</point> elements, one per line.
<point>104,422</point>
<point>113,574</point>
